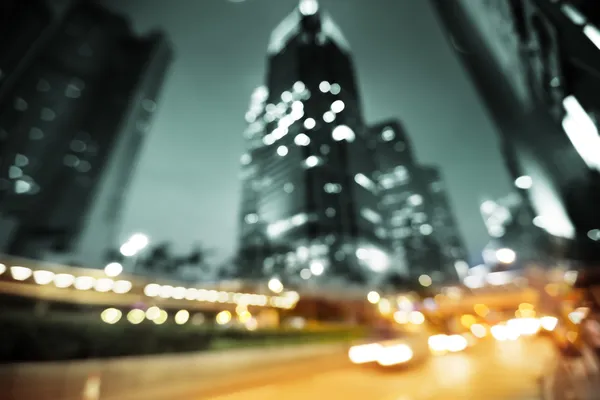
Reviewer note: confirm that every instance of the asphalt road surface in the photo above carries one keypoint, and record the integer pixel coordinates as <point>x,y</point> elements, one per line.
<point>491,370</point>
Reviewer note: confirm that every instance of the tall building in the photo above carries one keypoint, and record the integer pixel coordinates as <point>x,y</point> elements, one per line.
<point>546,56</point>
<point>309,195</point>
<point>445,227</point>
<point>73,116</point>
<point>508,222</point>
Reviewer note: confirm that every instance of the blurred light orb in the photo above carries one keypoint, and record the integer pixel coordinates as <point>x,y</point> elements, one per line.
<point>275,285</point>
<point>317,268</point>
<point>524,182</point>
<point>282,151</point>
<point>113,269</point>
<point>224,317</point>
<point>506,256</point>
<point>308,7</point>
<point>425,280</point>
<point>111,316</point>
<point>373,297</point>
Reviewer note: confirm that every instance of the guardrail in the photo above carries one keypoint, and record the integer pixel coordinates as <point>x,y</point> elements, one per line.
<point>165,377</point>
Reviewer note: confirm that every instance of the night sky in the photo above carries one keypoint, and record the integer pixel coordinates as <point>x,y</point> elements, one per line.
<point>186,187</point>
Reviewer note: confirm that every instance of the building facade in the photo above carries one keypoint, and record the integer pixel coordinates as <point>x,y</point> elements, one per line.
<point>546,54</point>
<point>72,122</point>
<point>324,195</point>
<point>309,195</point>
<point>446,232</point>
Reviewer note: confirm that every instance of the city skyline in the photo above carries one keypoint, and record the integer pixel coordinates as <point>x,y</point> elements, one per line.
<point>458,119</point>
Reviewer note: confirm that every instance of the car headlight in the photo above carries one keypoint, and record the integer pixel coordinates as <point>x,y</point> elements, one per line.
<point>364,353</point>
<point>393,355</point>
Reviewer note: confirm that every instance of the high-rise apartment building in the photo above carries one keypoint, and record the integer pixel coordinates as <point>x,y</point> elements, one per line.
<point>72,120</point>
<point>546,56</point>
<point>308,185</point>
<point>323,194</point>
<point>445,227</point>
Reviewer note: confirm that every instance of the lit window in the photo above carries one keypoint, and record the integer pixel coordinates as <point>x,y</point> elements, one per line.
<point>299,86</point>
<point>324,87</point>
<point>250,117</point>
<point>286,96</point>
<point>83,166</point>
<point>337,106</point>
<point>426,229</point>
<point>388,134</point>
<point>302,140</point>
<point>20,104</point>
<point>370,215</point>
<point>365,182</point>
<point>330,212</point>
<point>260,94</point>
<point>415,200</point>
<point>71,160</point>
<point>15,172</point>
<point>312,161</point>
<point>78,146</point>
<point>308,7</point>
<point>282,151</point>
<point>251,218</point>
<point>335,88</point>
<point>246,159</point>
<point>328,117</point>
<point>288,187</point>
<point>343,132</point>
<point>268,139</point>
<point>332,188</point>
<point>149,105</point>
<point>310,123</point>
<point>21,160</point>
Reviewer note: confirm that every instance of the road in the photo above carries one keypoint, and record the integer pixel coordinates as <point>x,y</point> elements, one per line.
<point>491,370</point>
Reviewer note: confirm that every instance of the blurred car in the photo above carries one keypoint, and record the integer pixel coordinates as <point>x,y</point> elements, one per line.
<point>390,347</point>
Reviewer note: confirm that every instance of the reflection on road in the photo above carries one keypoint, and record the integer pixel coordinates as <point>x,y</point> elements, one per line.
<point>491,371</point>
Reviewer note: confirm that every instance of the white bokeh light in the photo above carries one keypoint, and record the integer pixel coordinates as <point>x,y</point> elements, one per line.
<point>282,151</point>
<point>308,7</point>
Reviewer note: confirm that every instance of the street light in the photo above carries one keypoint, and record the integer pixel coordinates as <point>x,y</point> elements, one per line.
<point>134,245</point>
<point>275,285</point>
<point>113,269</point>
<point>506,256</point>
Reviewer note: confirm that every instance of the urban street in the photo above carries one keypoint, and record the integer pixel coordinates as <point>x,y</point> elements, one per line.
<point>491,370</point>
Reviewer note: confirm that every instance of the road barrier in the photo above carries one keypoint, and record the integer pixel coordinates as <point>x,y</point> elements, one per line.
<point>198,375</point>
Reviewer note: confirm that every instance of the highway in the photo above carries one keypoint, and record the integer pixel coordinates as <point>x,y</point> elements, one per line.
<point>490,370</point>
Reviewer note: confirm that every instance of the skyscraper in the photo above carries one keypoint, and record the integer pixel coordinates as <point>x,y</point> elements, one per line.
<point>444,224</point>
<point>546,56</point>
<point>72,122</point>
<point>309,196</point>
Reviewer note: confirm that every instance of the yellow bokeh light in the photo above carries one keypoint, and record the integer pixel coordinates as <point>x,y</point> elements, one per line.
<point>425,280</point>
<point>526,306</point>
<point>182,317</point>
<point>111,315</point>
<point>152,313</point>
<point>136,316</point>
<point>373,297</point>
<point>481,310</point>
<point>162,317</point>
<point>224,317</point>
<point>416,317</point>
<point>244,317</point>
<point>384,306</point>
<point>468,320</point>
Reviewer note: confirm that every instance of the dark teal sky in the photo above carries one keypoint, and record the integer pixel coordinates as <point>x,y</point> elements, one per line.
<point>186,187</point>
